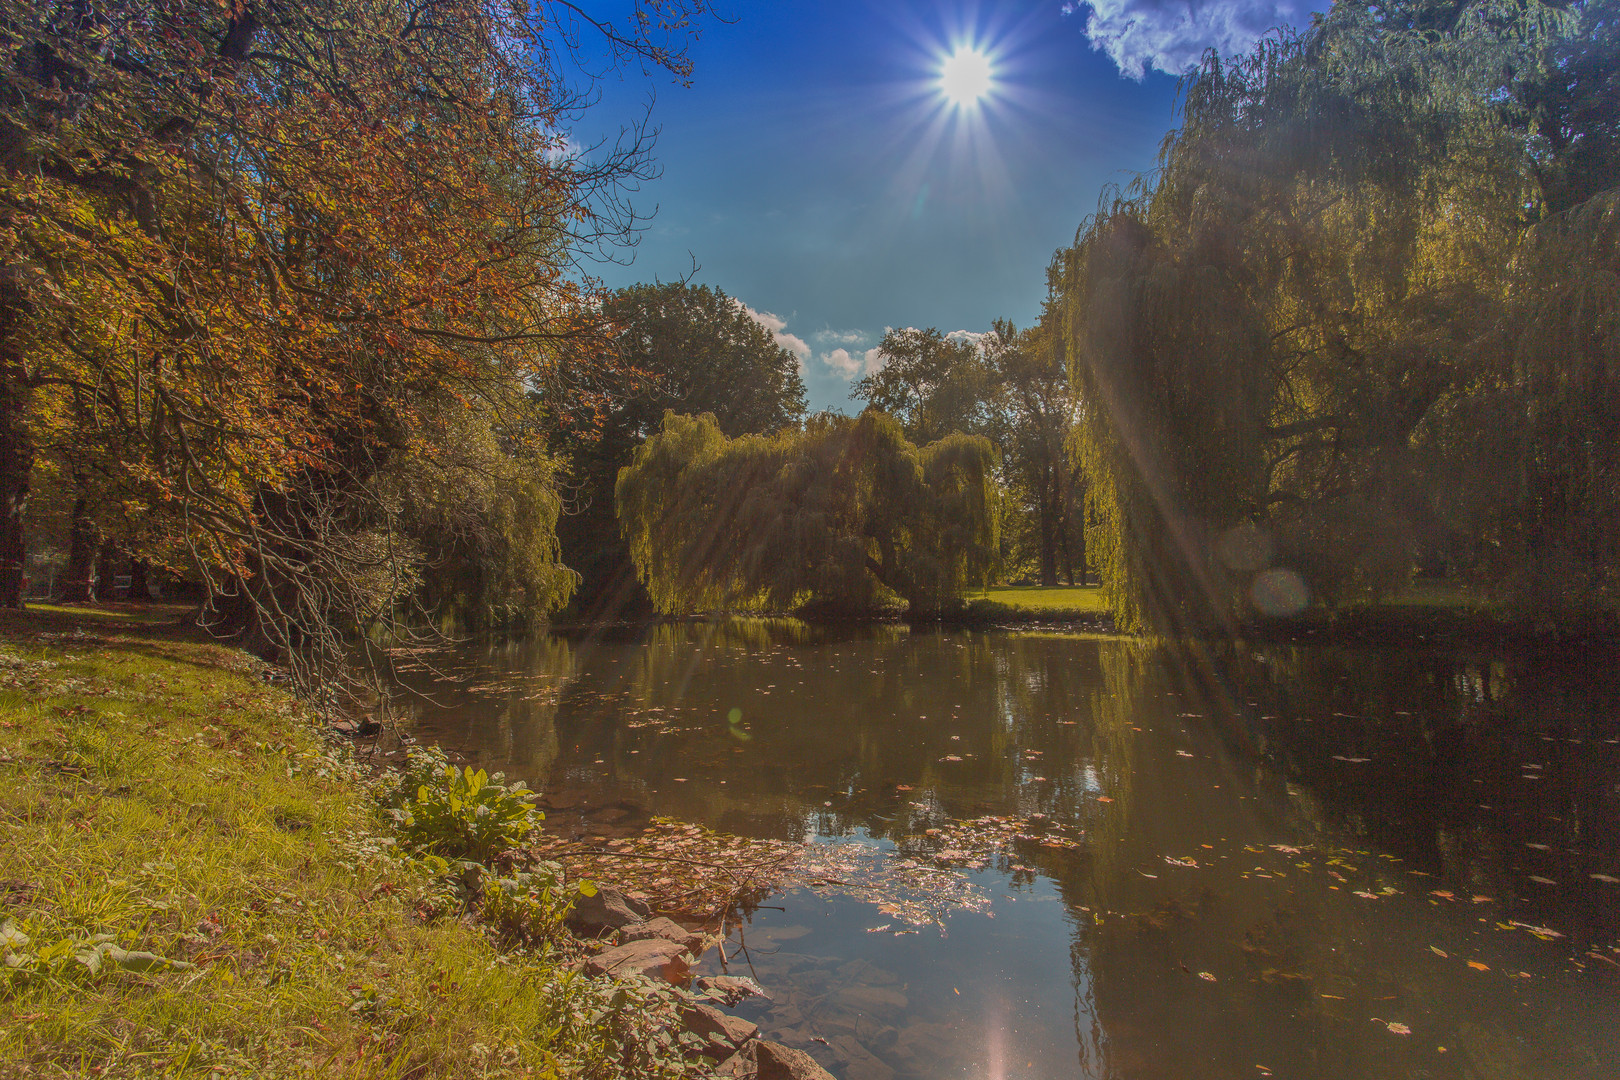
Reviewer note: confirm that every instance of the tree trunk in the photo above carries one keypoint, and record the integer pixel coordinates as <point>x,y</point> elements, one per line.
<point>1047,511</point>
<point>1080,546</point>
<point>106,556</point>
<point>140,587</point>
<point>16,464</point>
<point>16,453</point>
<point>78,580</point>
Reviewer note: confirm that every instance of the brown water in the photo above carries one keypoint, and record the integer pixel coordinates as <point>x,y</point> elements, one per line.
<point>1366,843</point>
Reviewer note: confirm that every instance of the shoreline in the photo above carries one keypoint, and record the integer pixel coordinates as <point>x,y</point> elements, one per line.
<point>206,882</point>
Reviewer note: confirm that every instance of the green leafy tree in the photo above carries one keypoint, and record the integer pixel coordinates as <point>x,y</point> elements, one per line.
<point>845,512</point>
<point>1268,334</point>
<point>691,349</point>
<point>1038,409</point>
<point>934,384</point>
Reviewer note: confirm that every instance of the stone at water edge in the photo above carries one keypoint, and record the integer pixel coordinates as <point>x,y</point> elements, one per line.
<point>856,1062</point>
<point>725,1034</point>
<point>740,1066</point>
<point>732,988</point>
<point>655,959</point>
<point>608,909</point>
<point>668,930</point>
<point>778,1062</point>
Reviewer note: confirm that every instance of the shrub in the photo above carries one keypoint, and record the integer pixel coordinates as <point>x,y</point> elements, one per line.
<point>459,813</point>
<point>529,907</point>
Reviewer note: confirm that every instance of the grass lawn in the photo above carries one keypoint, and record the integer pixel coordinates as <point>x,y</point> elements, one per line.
<point>196,882</point>
<point>1044,599</point>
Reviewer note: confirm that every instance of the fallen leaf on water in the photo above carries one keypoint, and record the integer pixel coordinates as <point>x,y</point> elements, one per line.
<point>1538,847</point>
<point>1442,894</point>
<point>1542,932</point>
<point>1351,760</point>
<point>1537,878</point>
<point>1182,753</point>
<point>1285,849</point>
<point>1366,895</point>
<point>1206,976</point>
<point>1180,862</point>
<point>1480,899</point>
<point>1396,1027</point>
<point>1332,997</point>
<point>879,929</point>
<point>1104,798</point>
<point>1440,953</point>
<point>1477,966</point>
<point>1605,878</point>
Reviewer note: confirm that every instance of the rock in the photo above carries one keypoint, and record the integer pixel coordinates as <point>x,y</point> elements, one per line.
<point>876,1035</point>
<point>655,958</point>
<point>725,1034</point>
<point>668,930</point>
<point>357,727</point>
<point>857,1062</point>
<point>873,999</point>
<point>778,1062</point>
<point>609,909</point>
<point>740,1066</point>
<point>732,988</point>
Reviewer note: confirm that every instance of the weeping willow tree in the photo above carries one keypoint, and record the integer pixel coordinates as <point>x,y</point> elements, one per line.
<point>845,512</point>
<point>1536,440</point>
<point>1337,254</point>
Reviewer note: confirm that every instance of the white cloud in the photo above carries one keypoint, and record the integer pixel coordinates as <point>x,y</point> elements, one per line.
<point>854,365</point>
<point>840,337</point>
<point>1171,35</point>
<point>778,328</point>
<point>843,363</point>
<point>972,337</point>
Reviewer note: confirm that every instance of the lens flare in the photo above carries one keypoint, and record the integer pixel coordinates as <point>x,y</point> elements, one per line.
<point>965,77</point>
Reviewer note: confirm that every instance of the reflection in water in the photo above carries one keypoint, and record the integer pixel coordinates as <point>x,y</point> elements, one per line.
<point>1292,854</point>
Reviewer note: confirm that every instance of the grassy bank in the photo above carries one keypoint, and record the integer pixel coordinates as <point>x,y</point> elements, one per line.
<point>198,883</point>
<point>1078,604</point>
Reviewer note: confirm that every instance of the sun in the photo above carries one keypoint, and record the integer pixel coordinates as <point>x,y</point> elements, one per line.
<point>965,77</point>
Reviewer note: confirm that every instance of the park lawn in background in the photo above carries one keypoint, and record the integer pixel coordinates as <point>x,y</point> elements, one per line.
<point>1044,599</point>
<point>196,883</point>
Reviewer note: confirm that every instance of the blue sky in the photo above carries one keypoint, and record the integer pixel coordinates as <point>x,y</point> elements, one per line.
<point>814,171</point>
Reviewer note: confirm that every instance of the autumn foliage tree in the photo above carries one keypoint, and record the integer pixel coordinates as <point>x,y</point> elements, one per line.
<point>254,255</point>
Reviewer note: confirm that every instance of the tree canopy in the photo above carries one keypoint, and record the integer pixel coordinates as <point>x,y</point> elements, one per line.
<point>843,512</point>
<point>256,255</point>
<point>1361,319</point>
<point>691,349</point>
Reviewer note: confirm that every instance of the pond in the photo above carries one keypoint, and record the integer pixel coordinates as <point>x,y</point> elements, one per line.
<point>1236,861</point>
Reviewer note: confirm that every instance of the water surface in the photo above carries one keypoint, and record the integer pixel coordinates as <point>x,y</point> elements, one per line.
<point>1295,861</point>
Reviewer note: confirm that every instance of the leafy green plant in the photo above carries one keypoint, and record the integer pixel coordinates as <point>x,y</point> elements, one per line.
<point>530,906</point>
<point>459,813</point>
<point>24,958</point>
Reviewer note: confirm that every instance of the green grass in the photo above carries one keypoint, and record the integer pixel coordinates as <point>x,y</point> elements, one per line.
<point>156,795</point>
<point>1043,599</point>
